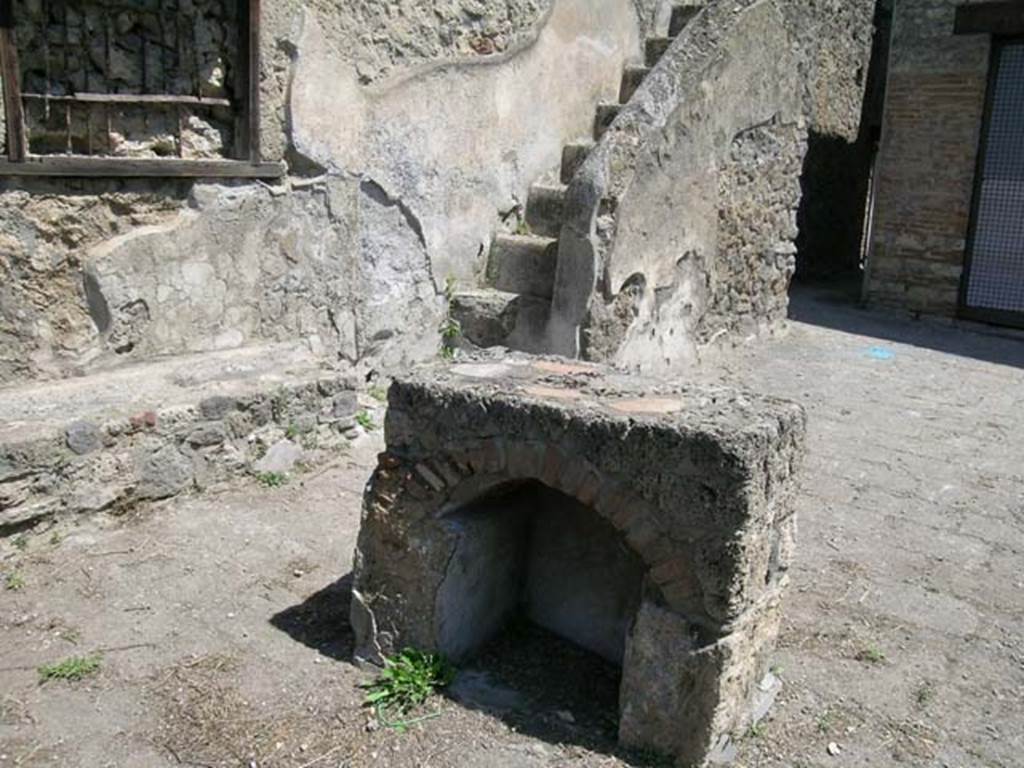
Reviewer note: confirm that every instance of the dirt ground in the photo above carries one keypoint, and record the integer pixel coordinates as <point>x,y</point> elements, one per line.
<point>220,621</point>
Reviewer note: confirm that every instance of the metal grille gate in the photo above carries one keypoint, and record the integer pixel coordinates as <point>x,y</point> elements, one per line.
<point>994,279</point>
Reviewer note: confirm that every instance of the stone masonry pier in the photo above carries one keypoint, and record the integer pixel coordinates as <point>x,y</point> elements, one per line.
<point>649,523</point>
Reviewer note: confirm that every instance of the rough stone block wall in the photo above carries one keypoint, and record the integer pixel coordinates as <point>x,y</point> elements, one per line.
<point>759,191</point>
<point>926,167</point>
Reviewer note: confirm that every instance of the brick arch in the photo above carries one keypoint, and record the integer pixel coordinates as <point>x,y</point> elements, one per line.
<point>445,482</point>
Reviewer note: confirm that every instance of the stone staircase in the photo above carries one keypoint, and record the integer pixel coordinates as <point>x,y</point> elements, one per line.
<point>512,309</point>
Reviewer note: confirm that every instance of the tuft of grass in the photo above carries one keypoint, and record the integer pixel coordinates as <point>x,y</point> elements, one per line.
<point>21,542</point>
<point>365,420</point>
<point>870,655</point>
<point>925,694</point>
<point>292,432</point>
<point>71,669</point>
<point>272,479</point>
<point>756,731</point>
<point>14,582</point>
<point>824,722</point>
<point>450,328</point>
<point>407,681</point>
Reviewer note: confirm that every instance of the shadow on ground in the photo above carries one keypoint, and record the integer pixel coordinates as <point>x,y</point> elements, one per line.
<point>536,682</point>
<point>835,304</point>
<point>550,689</point>
<point>321,621</point>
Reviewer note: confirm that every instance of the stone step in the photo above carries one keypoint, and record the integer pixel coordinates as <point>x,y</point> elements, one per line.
<point>655,48</point>
<point>573,156</point>
<point>545,209</point>
<point>523,264</point>
<point>154,430</point>
<point>606,114</point>
<point>681,16</point>
<point>490,318</point>
<point>632,77</point>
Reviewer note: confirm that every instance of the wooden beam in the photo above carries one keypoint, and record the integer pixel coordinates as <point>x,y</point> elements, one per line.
<point>1005,17</point>
<point>131,98</point>
<point>83,166</point>
<point>10,73</point>
<point>249,65</point>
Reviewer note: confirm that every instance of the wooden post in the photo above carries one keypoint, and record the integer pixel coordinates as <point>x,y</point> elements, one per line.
<point>17,145</point>
<point>249,63</point>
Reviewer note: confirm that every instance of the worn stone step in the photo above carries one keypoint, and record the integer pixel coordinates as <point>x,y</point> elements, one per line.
<point>491,318</point>
<point>545,209</point>
<point>655,48</point>
<point>606,114</point>
<point>681,16</point>
<point>523,264</point>
<point>573,156</point>
<point>153,430</point>
<point>632,77</point>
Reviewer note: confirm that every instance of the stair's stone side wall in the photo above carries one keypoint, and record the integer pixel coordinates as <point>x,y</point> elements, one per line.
<point>407,132</point>
<point>680,224</point>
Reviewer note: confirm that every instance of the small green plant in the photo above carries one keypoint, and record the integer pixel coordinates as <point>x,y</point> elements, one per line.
<point>292,432</point>
<point>523,228</point>
<point>71,669</point>
<point>14,582</point>
<point>21,542</point>
<point>272,479</point>
<point>824,722</point>
<point>365,420</point>
<point>450,329</point>
<point>925,694</point>
<point>756,731</point>
<point>407,681</point>
<point>870,655</point>
<point>380,394</point>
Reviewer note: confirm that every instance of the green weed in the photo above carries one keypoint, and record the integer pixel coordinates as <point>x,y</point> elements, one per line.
<point>450,328</point>
<point>407,681</point>
<point>365,420</point>
<point>272,479</point>
<point>71,669</point>
<point>870,655</point>
<point>14,582</point>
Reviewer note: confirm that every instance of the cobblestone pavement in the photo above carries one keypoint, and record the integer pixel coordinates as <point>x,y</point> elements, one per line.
<point>903,641</point>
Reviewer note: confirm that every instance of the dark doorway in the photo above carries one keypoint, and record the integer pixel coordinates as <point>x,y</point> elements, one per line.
<point>837,182</point>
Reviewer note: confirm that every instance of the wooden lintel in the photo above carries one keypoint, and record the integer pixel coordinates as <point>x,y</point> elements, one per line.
<point>78,166</point>
<point>1005,17</point>
<point>132,98</point>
